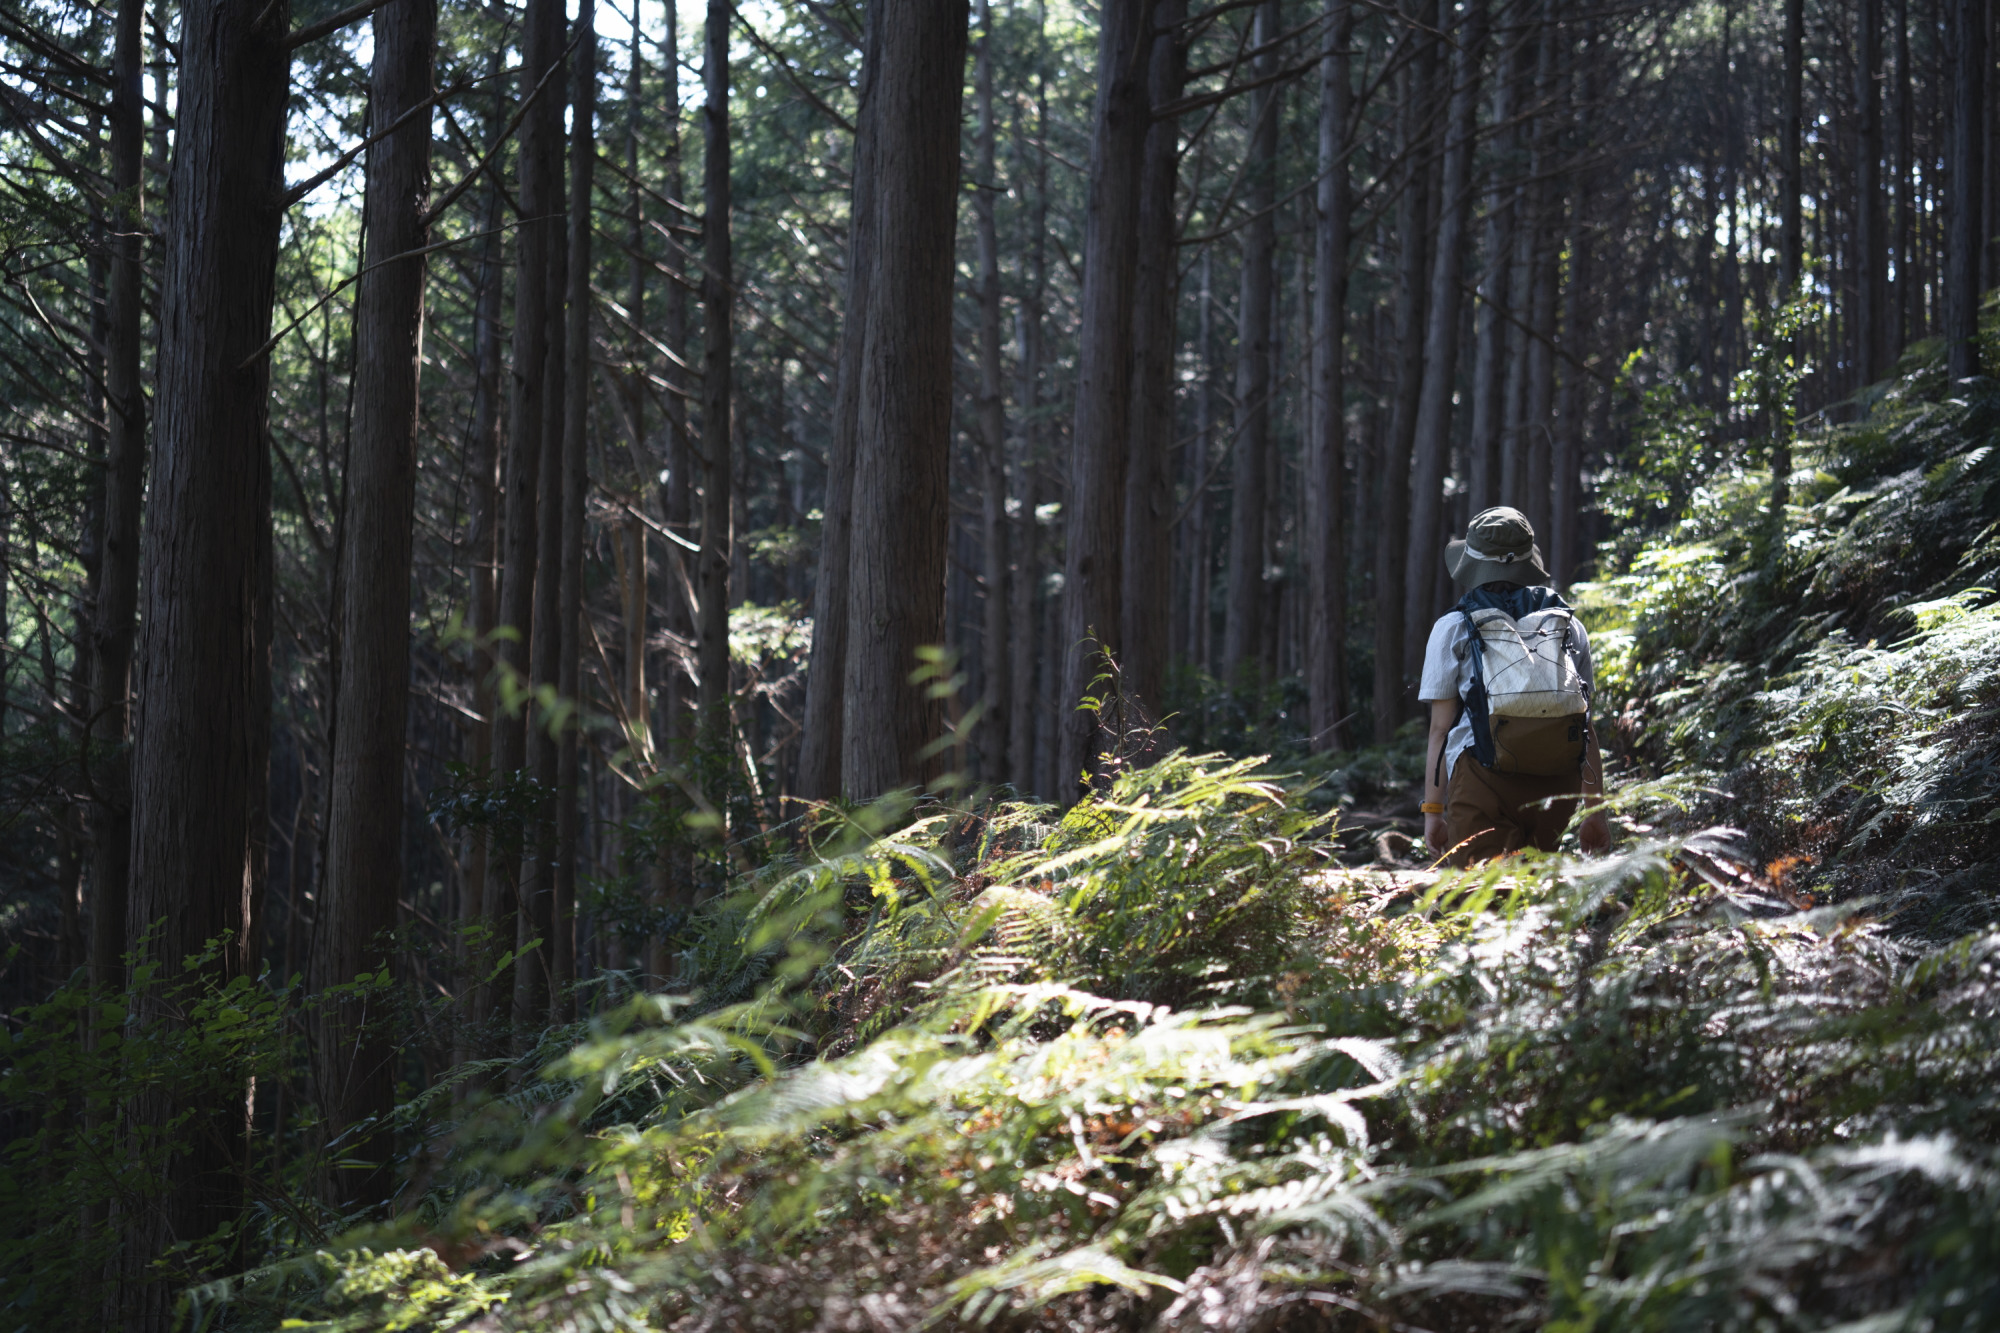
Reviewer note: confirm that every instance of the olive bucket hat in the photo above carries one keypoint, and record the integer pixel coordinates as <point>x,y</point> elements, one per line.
<point>1499,547</point>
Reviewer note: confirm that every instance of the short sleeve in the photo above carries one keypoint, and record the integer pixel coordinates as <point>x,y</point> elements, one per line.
<point>1440,676</point>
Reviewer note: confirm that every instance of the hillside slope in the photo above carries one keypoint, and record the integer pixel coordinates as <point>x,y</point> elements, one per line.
<point>1163,1062</point>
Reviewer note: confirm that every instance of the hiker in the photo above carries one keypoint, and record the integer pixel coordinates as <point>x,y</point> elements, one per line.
<point>1508,680</point>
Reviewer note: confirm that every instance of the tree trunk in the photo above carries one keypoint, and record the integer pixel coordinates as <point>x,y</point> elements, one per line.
<point>670,881</point>
<point>1412,271</point>
<point>718,300</point>
<point>635,628</point>
<point>115,623</point>
<point>1871,240</point>
<point>821,746</point>
<point>1544,221</point>
<point>1201,564</point>
<point>201,741</point>
<point>631,543</point>
<point>1579,337</point>
<point>482,466</point>
<point>995,650</point>
<point>1909,282</point>
<point>1490,336</point>
<point>1095,513</point>
<point>1967,239</point>
<point>1791,165</point>
<point>575,485</point>
<point>1537,415</point>
<point>1149,487</point>
<point>1243,625</point>
<point>896,570</point>
<point>1514,397</point>
<point>1025,620</point>
<point>364,835</point>
<point>1431,445</point>
<point>535,924</point>
<point>1326,445</point>
<point>541,43</point>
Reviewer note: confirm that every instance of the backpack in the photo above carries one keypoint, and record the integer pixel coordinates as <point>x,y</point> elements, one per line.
<point>1528,701</point>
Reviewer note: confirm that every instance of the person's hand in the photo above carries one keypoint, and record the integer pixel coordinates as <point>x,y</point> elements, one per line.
<point>1434,836</point>
<point>1595,835</point>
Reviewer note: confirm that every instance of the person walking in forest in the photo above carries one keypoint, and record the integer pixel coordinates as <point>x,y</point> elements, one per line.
<point>1507,675</point>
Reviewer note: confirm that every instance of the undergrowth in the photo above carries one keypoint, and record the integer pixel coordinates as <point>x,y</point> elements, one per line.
<point>1160,1062</point>
<point>1167,1061</point>
<point>1831,681</point>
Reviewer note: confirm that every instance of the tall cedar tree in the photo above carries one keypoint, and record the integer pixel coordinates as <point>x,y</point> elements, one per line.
<point>364,838</point>
<point>1326,448</point>
<point>541,127</point>
<point>1413,231</point>
<point>575,484</point>
<point>534,922</point>
<point>669,881</point>
<point>821,747</point>
<point>1243,624</point>
<point>1101,432</point>
<point>995,651</point>
<point>895,599</point>
<point>1145,606</point>
<point>115,626</point>
<point>1965,241</point>
<point>718,296</point>
<point>1432,436</point>
<point>202,735</point>
<point>1029,704</point>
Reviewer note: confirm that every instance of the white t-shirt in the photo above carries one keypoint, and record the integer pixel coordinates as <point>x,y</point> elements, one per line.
<point>1448,674</point>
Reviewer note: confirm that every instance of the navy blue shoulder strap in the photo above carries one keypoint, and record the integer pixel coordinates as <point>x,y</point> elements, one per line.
<point>1516,602</point>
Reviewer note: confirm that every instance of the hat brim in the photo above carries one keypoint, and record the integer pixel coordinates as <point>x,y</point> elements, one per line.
<point>1468,573</point>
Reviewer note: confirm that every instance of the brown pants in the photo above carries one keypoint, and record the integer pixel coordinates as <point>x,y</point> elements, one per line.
<point>1488,814</point>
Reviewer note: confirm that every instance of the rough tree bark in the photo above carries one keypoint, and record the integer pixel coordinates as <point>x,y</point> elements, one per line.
<point>1489,336</point>
<point>633,546</point>
<point>896,570</point>
<point>115,622</point>
<point>1909,281</point>
<point>201,738</point>
<point>1791,138</point>
<point>995,650</point>
<point>636,631</point>
<point>364,833</point>
<point>1243,624</point>
<point>541,44</point>
<point>1566,453</point>
<point>1149,488</point>
<point>482,466</point>
<point>1095,513</point>
<point>1326,549</point>
<point>718,301</point>
<point>1561,543</point>
<point>1413,212</point>
<point>575,484</point>
<point>1021,714</point>
<point>1871,250</point>
<point>1544,220</point>
<point>1430,455</point>
<point>669,883</point>
<point>1965,239</point>
<point>1200,559</point>
<point>535,922</point>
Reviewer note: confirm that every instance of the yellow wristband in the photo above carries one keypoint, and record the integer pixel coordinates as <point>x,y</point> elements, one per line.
<point>1431,808</point>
